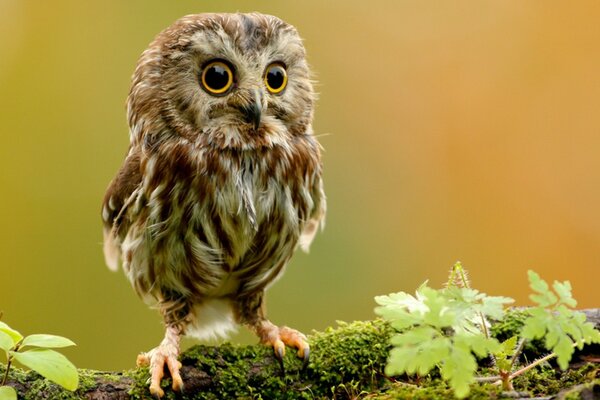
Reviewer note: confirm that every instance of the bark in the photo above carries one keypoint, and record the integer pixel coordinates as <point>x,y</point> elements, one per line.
<point>345,361</point>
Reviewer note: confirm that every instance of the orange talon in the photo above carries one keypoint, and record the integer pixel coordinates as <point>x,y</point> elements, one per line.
<point>280,337</point>
<point>293,338</point>
<point>164,355</point>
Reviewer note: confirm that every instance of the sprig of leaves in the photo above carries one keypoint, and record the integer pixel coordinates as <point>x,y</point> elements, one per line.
<point>554,319</point>
<point>38,356</point>
<point>440,328</point>
<point>446,328</point>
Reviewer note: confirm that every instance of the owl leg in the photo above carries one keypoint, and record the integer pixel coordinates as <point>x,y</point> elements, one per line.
<point>250,311</point>
<point>167,352</point>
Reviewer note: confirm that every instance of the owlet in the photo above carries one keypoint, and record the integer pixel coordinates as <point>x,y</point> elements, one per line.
<point>222,180</point>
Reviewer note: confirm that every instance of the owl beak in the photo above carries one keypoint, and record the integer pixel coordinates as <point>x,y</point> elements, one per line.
<point>252,111</point>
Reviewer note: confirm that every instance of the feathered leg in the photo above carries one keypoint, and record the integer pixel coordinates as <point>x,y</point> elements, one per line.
<point>250,311</point>
<point>167,353</point>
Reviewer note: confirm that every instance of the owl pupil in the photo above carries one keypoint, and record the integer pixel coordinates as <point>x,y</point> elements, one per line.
<point>217,77</point>
<point>275,77</point>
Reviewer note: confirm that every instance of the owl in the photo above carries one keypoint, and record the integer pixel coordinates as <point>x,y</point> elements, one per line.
<point>222,180</point>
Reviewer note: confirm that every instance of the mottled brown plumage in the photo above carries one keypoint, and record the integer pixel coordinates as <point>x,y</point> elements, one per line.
<point>217,189</point>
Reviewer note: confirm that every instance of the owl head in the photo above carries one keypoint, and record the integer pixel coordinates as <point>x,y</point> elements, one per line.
<point>238,81</point>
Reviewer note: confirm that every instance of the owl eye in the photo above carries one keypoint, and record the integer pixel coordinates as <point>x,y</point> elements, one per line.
<point>275,78</point>
<point>217,77</point>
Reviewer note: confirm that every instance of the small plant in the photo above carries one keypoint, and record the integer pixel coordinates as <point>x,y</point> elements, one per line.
<point>35,352</point>
<point>447,328</point>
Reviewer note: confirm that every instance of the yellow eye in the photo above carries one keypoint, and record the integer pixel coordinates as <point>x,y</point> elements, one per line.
<point>276,78</point>
<point>217,77</point>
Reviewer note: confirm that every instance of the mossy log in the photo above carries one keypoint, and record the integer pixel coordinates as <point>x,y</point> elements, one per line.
<point>346,362</point>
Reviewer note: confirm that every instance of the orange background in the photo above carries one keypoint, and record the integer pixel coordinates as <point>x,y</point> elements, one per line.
<point>464,130</point>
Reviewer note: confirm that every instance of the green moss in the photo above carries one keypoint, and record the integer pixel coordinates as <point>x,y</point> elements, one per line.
<point>236,372</point>
<point>31,385</point>
<point>548,381</point>
<point>346,362</point>
<point>438,391</point>
<point>139,386</point>
<point>510,325</point>
<point>355,352</point>
<point>588,390</point>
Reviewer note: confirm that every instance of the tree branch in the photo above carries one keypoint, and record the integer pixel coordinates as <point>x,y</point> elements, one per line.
<point>345,361</point>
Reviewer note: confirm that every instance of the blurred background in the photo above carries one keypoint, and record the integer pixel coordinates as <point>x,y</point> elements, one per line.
<point>464,130</point>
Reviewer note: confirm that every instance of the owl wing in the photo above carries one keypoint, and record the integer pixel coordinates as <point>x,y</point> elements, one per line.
<point>116,200</point>
<point>317,216</point>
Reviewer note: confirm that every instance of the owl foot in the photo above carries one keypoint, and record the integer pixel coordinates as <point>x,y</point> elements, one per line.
<point>279,337</point>
<point>164,355</point>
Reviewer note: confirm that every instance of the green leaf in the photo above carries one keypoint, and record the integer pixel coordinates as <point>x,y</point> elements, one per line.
<point>468,306</point>
<point>438,314</point>
<point>6,341</point>
<point>505,352</point>
<point>415,336</point>
<point>564,293</point>
<point>545,297</point>
<point>535,325</point>
<point>417,350</point>
<point>432,354</point>
<point>398,360</point>
<point>481,345</point>
<point>404,301</point>
<point>459,370</point>
<point>536,282</point>
<point>402,309</point>
<point>7,393</point>
<point>400,299</point>
<point>15,335</point>
<point>562,328</point>
<point>564,350</point>
<point>590,334</point>
<point>46,341</point>
<point>508,346</point>
<point>51,365</point>
<point>493,306</point>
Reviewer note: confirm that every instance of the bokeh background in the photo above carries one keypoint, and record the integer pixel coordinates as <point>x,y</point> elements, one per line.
<point>464,130</point>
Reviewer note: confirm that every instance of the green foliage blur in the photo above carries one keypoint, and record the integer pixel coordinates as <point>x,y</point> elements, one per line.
<point>451,131</point>
<point>446,328</point>
<point>38,356</point>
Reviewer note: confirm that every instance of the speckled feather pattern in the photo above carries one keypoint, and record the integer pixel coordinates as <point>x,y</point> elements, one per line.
<point>207,210</point>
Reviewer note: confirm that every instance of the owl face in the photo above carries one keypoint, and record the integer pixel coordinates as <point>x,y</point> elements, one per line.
<point>227,80</point>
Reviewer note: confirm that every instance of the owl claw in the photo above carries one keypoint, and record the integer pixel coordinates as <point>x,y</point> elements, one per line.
<point>279,337</point>
<point>293,338</point>
<point>279,350</point>
<point>306,351</point>
<point>156,359</point>
<point>279,357</point>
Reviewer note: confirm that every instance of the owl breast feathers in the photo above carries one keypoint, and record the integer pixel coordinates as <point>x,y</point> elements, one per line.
<point>222,180</point>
